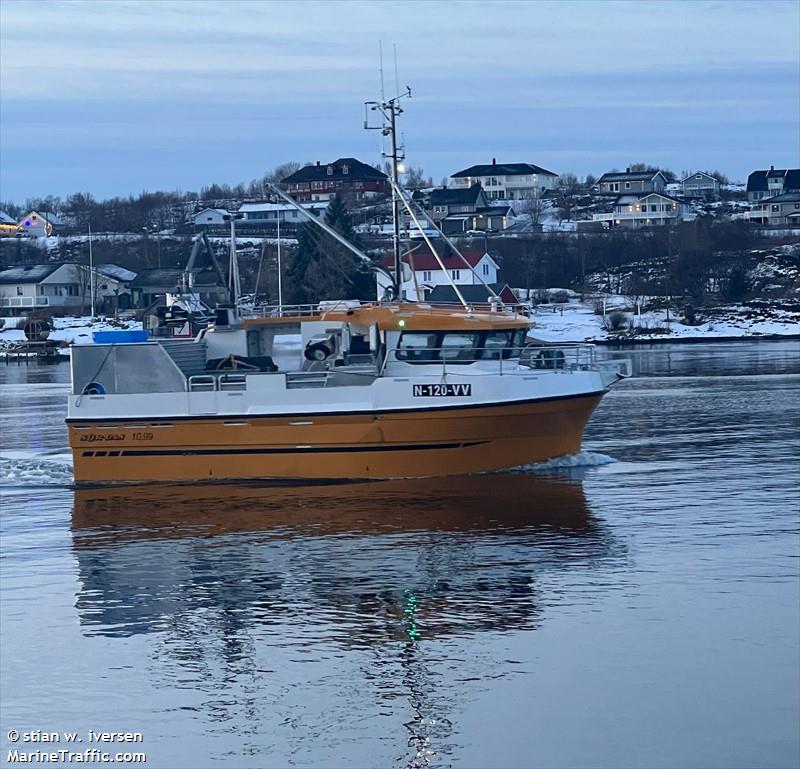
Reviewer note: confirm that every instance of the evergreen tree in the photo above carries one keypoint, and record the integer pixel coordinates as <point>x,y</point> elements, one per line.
<point>322,268</point>
<point>306,253</point>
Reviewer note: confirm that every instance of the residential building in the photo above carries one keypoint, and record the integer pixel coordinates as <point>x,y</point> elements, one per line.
<point>270,213</point>
<point>347,176</point>
<point>488,219</point>
<point>36,225</point>
<point>781,209</point>
<point>631,182</point>
<point>775,181</point>
<point>210,217</point>
<point>8,225</point>
<point>446,200</point>
<point>425,273</point>
<point>64,286</point>
<point>700,185</point>
<point>153,285</point>
<point>474,295</point>
<point>634,211</point>
<point>507,181</point>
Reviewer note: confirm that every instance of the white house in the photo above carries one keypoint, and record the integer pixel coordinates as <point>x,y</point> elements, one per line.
<point>507,181</point>
<point>209,217</point>
<point>634,211</point>
<point>271,213</point>
<point>422,272</point>
<point>37,224</point>
<point>61,286</point>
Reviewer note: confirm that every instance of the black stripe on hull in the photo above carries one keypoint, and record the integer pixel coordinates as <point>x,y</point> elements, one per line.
<point>297,450</point>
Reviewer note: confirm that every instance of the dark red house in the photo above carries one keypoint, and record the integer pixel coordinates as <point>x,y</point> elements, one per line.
<point>349,177</point>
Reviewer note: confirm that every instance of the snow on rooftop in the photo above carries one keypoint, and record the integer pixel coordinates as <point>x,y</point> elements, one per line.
<point>116,272</point>
<point>248,207</point>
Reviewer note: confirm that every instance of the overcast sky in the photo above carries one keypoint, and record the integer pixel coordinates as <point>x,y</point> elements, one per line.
<point>117,97</point>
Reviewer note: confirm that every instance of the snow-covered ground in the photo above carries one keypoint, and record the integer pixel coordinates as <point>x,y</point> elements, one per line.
<point>576,321</point>
<point>68,330</point>
<point>573,321</point>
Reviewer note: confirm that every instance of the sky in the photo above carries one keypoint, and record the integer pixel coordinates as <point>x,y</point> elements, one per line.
<point>116,97</point>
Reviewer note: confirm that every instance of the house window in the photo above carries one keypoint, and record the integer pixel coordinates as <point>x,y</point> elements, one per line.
<point>776,207</point>
<point>455,274</point>
<point>627,185</point>
<point>501,194</point>
<point>345,169</point>
<point>19,290</point>
<point>698,176</point>
<point>330,170</point>
<point>615,187</point>
<point>426,275</point>
<point>485,269</point>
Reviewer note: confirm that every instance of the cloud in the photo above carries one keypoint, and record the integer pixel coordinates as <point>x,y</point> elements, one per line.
<point>234,88</point>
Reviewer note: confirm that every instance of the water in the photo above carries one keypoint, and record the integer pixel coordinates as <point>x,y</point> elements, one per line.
<point>634,606</point>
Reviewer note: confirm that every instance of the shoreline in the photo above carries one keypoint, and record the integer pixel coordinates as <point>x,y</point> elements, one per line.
<point>695,340</point>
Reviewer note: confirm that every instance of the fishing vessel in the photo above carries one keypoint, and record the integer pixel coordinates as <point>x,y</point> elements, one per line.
<point>371,391</point>
<point>336,390</point>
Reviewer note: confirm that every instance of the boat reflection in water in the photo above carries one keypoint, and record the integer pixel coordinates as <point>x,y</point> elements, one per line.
<point>467,548</point>
<point>381,568</point>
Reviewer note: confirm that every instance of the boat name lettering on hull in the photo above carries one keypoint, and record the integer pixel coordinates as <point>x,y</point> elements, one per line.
<point>442,390</point>
<point>102,437</point>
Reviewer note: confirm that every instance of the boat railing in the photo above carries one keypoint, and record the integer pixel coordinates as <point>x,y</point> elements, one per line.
<point>211,383</point>
<point>305,310</point>
<point>552,357</point>
<point>317,308</point>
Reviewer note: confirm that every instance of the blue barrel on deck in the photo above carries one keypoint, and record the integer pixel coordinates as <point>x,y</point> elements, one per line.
<point>120,337</point>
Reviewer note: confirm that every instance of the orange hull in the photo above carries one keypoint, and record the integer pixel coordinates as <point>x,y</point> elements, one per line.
<point>390,445</point>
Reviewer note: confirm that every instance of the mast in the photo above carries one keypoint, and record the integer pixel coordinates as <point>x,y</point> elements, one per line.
<point>389,110</point>
<point>91,270</point>
<point>234,285</point>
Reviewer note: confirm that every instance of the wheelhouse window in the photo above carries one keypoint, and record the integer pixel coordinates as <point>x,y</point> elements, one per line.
<point>418,347</point>
<point>436,346</point>
<point>459,346</point>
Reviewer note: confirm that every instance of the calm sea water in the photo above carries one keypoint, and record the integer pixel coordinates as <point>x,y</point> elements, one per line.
<point>640,612</point>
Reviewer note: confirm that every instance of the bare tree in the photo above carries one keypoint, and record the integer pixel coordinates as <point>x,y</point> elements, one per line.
<point>416,179</point>
<point>568,187</point>
<point>534,206</point>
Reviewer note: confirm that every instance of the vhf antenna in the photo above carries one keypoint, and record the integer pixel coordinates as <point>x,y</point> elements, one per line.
<point>389,109</point>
